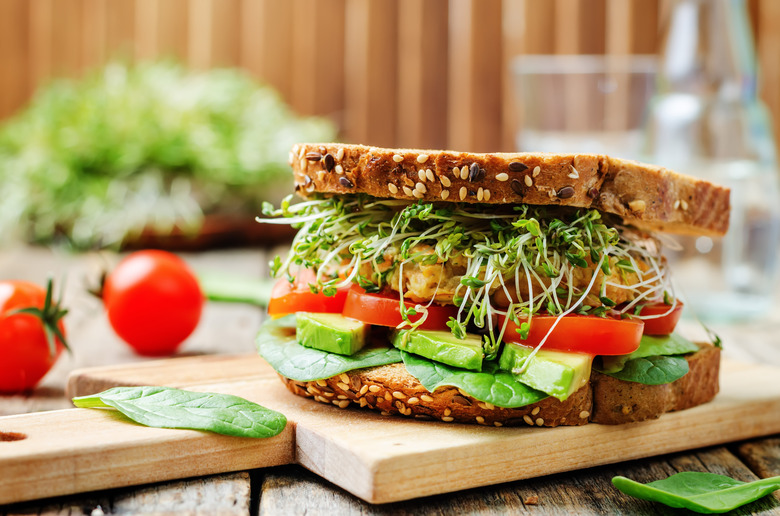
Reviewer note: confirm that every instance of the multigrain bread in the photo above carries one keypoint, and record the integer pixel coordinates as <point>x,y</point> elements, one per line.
<point>390,389</point>
<point>646,196</point>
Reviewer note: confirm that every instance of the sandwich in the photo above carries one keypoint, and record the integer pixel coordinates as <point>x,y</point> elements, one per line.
<point>496,289</point>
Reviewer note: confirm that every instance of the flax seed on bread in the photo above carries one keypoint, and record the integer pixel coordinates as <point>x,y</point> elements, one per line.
<point>646,196</point>
<point>390,389</point>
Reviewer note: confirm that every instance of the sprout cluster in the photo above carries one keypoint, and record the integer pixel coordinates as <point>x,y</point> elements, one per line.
<point>542,247</point>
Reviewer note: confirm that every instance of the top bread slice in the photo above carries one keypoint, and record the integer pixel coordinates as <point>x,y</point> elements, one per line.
<point>646,196</point>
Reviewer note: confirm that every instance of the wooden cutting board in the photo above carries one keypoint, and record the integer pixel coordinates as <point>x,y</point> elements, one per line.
<point>380,459</point>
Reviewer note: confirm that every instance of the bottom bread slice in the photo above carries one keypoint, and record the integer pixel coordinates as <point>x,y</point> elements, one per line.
<point>390,389</point>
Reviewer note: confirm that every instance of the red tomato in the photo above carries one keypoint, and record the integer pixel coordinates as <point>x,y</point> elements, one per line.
<point>662,318</point>
<point>287,298</point>
<point>582,333</point>
<point>24,347</point>
<point>385,310</point>
<point>153,301</point>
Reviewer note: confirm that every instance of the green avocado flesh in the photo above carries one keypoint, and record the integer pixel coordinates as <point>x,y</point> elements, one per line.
<point>442,346</point>
<point>331,332</point>
<point>557,373</point>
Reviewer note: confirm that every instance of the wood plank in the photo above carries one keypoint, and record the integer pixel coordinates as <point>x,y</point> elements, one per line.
<point>371,71</point>
<point>14,56</point>
<point>213,33</point>
<point>163,29</point>
<point>475,76</point>
<point>318,33</point>
<point>768,50</point>
<point>512,30</point>
<point>291,490</point>
<point>227,495</point>
<point>266,43</point>
<point>41,44</point>
<point>762,455</point>
<point>392,459</point>
<point>539,27</point>
<point>121,29</point>
<point>422,74</point>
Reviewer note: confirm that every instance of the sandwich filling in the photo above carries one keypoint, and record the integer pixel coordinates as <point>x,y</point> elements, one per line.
<point>506,263</point>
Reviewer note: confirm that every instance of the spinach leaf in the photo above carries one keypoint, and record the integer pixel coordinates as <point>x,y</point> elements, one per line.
<point>165,407</point>
<point>653,370</point>
<point>706,493</point>
<point>492,385</point>
<point>277,345</point>
<point>650,346</point>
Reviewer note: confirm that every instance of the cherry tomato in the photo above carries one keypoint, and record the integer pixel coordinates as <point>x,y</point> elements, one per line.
<point>26,352</point>
<point>661,318</point>
<point>153,301</point>
<point>385,310</point>
<point>582,333</point>
<point>287,298</point>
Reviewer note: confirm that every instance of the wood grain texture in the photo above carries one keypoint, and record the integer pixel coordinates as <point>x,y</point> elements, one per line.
<point>14,55</point>
<point>223,495</point>
<point>290,490</point>
<point>162,29</point>
<point>392,458</point>
<point>266,49</point>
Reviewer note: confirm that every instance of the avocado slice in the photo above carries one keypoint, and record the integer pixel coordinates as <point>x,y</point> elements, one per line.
<point>330,332</point>
<point>558,373</point>
<point>442,346</point>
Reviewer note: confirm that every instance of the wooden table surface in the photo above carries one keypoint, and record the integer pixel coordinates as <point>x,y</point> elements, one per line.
<point>230,328</point>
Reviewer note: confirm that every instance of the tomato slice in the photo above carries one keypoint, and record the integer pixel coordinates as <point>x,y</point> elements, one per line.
<point>662,318</point>
<point>385,310</point>
<point>580,333</point>
<point>287,298</point>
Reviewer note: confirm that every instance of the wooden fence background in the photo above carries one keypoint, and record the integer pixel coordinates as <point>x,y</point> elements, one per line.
<point>429,73</point>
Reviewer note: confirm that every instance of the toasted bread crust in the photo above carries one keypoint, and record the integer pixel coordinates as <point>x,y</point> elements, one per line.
<point>390,389</point>
<point>644,195</point>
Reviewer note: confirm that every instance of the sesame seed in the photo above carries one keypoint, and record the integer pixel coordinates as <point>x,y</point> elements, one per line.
<point>516,166</point>
<point>407,190</point>
<point>487,406</point>
<point>487,195</point>
<point>536,411</point>
<point>301,152</point>
<point>340,154</point>
<point>462,192</point>
<point>341,397</point>
<point>388,397</point>
<point>528,181</point>
<point>426,398</point>
<point>320,175</point>
<point>374,388</point>
<point>418,194</point>
<point>528,420</point>
<point>498,423</point>
<point>574,173</point>
<point>343,386</point>
<point>626,410</point>
<point>421,175</point>
<point>445,194</point>
<point>295,148</point>
<point>677,204</point>
<point>399,395</point>
<point>398,158</point>
<point>480,194</point>
<point>339,169</point>
<point>429,174</point>
<point>312,390</point>
<point>363,402</point>
<point>503,176</point>
<point>480,420</point>
<point>584,414</point>
<point>684,205</point>
<point>445,181</point>
<point>322,383</point>
<point>637,205</point>
<point>363,390</point>
<point>537,170</point>
<point>321,399</point>
<point>456,172</point>
<point>303,164</point>
<point>290,158</point>
<point>464,172</point>
<point>462,392</point>
<point>413,400</point>
<point>385,413</point>
<point>400,406</point>
<point>344,378</point>
<point>539,421</point>
<point>422,158</point>
<point>323,150</point>
<point>447,412</point>
<point>393,189</point>
<point>447,419</point>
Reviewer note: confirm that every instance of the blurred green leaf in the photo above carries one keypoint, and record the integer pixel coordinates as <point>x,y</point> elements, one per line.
<point>145,146</point>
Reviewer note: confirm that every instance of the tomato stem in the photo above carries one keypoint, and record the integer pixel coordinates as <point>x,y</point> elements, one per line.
<point>50,316</point>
